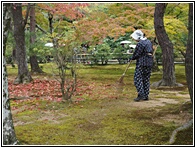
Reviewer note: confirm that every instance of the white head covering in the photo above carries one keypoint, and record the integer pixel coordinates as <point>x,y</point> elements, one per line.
<point>138,35</point>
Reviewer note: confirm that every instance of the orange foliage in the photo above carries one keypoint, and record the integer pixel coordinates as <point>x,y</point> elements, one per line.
<point>68,10</point>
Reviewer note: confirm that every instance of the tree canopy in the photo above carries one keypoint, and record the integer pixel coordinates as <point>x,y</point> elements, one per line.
<point>93,23</point>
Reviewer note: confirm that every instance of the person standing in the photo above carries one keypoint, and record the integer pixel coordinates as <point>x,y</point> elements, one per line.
<point>143,55</point>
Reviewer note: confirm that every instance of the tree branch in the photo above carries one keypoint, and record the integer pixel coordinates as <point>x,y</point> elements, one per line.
<point>41,29</point>
<point>173,8</point>
<point>27,15</point>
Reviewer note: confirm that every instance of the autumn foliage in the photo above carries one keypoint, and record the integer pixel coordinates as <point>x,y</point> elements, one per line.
<point>40,89</point>
<point>69,10</point>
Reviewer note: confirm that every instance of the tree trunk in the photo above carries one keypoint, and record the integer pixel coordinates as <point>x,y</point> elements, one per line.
<point>189,72</point>
<point>189,54</point>
<point>34,65</point>
<point>33,58</point>
<point>9,136</point>
<point>168,78</point>
<point>19,36</point>
<point>155,67</point>
<point>50,17</point>
<point>155,64</point>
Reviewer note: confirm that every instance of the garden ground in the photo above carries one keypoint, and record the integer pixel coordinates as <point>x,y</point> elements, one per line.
<point>102,112</point>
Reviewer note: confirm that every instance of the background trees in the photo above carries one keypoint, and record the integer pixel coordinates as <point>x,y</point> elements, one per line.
<point>95,22</point>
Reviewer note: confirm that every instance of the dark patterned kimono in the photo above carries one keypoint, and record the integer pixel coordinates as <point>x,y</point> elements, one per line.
<point>144,62</point>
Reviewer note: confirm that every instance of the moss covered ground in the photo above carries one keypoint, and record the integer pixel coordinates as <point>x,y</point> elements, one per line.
<point>103,112</point>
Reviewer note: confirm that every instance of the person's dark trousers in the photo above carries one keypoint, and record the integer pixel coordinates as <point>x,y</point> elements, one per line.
<point>142,80</point>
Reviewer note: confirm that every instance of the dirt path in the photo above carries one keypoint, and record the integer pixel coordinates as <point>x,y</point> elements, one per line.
<point>180,119</point>
<point>156,102</point>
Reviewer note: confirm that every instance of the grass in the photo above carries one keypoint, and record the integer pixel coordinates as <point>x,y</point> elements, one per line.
<point>107,114</point>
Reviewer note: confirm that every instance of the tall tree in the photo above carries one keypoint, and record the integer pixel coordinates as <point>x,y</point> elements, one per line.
<point>33,58</point>
<point>9,136</point>
<point>19,36</point>
<point>166,45</point>
<point>189,53</point>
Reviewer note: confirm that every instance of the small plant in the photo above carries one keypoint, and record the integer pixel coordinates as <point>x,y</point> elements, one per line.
<point>67,73</point>
<point>63,53</point>
<point>63,57</point>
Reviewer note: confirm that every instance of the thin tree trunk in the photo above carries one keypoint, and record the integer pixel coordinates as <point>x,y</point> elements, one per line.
<point>50,17</point>
<point>155,64</point>
<point>19,36</point>
<point>9,136</point>
<point>33,58</point>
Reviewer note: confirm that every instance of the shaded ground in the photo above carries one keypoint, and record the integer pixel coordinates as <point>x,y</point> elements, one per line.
<point>103,113</point>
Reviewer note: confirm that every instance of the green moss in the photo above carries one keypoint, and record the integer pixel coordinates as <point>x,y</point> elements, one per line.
<point>105,116</point>
<point>12,70</point>
<point>27,113</point>
<point>100,122</point>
